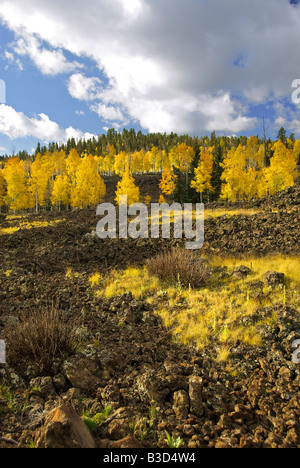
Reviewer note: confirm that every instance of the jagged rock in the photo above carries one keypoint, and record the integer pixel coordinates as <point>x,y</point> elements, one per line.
<point>42,386</point>
<point>90,238</point>
<point>195,395</point>
<point>82,372</point>
<point>181,404</point>
<point>150,389</point>
<point>273,278</point>
<point>111,395</point>
<point>63,428</point>
<point>117,429</point>
<point>241,272</point>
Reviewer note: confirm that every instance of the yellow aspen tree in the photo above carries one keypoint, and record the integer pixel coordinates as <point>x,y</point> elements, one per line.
<point>168,182</point>
<point>255,163</point>
<point>72,163</point>
<point>182,157</point>
<point>121,160</point>
<point>142,159</point>
<point>89,187</point>
<point>40,175</point>
<point>154,156</point>
<point>100,164</point>
<point>282,172</point>
<point>262,186</point>
<point>127,186</point>
<point>296,151</point>
<point>162,199</point>
<point>147,162</point>
<point>2,189</point>
<point>147,200</point>
<point>234,175</point>
<point>252,149</point>
<point>110,158</point>
<point>59,162</point>
<point>166,164</point>
<point>137,162</point>
<point>203,173</point>
<point>17,196</point>
<point>61,191</point>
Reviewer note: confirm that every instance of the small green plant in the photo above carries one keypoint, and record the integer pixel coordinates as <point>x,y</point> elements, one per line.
<point>141,428</point>
<point>152,414</point>
<point>104,415</point>
<point>179,287</point>
<point>284,295</point>
<point>93,422</point>
<point>90,422</point>
<point>16,402</point>
<point>31,444</point>
<point>173,443</point>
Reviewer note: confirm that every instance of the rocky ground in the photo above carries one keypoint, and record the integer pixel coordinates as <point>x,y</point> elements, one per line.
<point>128,375</point>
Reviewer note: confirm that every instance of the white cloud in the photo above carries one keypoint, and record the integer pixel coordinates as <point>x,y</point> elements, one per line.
<point>82,88</point>
<point>171,65</point>
<point>91,90</point>
<point>17,125</point>
<point>10,57</point>
<point>49,62</point>
<point>108,112</point>
<point>133,8</point>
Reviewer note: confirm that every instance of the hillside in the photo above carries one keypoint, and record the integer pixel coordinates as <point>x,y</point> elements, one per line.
<point>121,369</point>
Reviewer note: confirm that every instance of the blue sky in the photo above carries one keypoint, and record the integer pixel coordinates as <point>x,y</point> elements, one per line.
<point>75,69</point>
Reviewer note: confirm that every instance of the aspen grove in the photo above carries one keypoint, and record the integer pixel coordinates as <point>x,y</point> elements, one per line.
<point>214,168</point>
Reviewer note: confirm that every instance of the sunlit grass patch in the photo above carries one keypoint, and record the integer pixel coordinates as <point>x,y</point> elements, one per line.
<point>289,265</point>
<point>223,354</point>
<point>95,279</point>
<point>135,280</point>
<point>70,274</point>
<point>212,316</point>
<point>217,213</point>
<point>27,225</point>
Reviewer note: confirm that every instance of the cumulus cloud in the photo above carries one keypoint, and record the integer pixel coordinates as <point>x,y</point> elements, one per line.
<point>83,88</point>
<point>170,65</point>
<point>49,62</point>
<point>17,125</point>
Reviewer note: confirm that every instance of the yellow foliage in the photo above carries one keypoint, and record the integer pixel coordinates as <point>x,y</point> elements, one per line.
<point>89,188</point>
<point>2,188</point>
<point>127,187</point>
<point>147,200</point>
<point>18,196</point>
<point>182,156</point>
<point>168,182</point>
<point>283,169</point>
<point>95,279</point>
<point>203,173</point>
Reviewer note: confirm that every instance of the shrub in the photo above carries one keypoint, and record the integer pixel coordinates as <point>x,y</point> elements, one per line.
<point>184,266</point>
<point>40,337</point>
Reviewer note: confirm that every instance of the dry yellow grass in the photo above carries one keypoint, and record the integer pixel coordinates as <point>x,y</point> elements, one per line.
<point>27,225</point>
<point>211,314</point>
